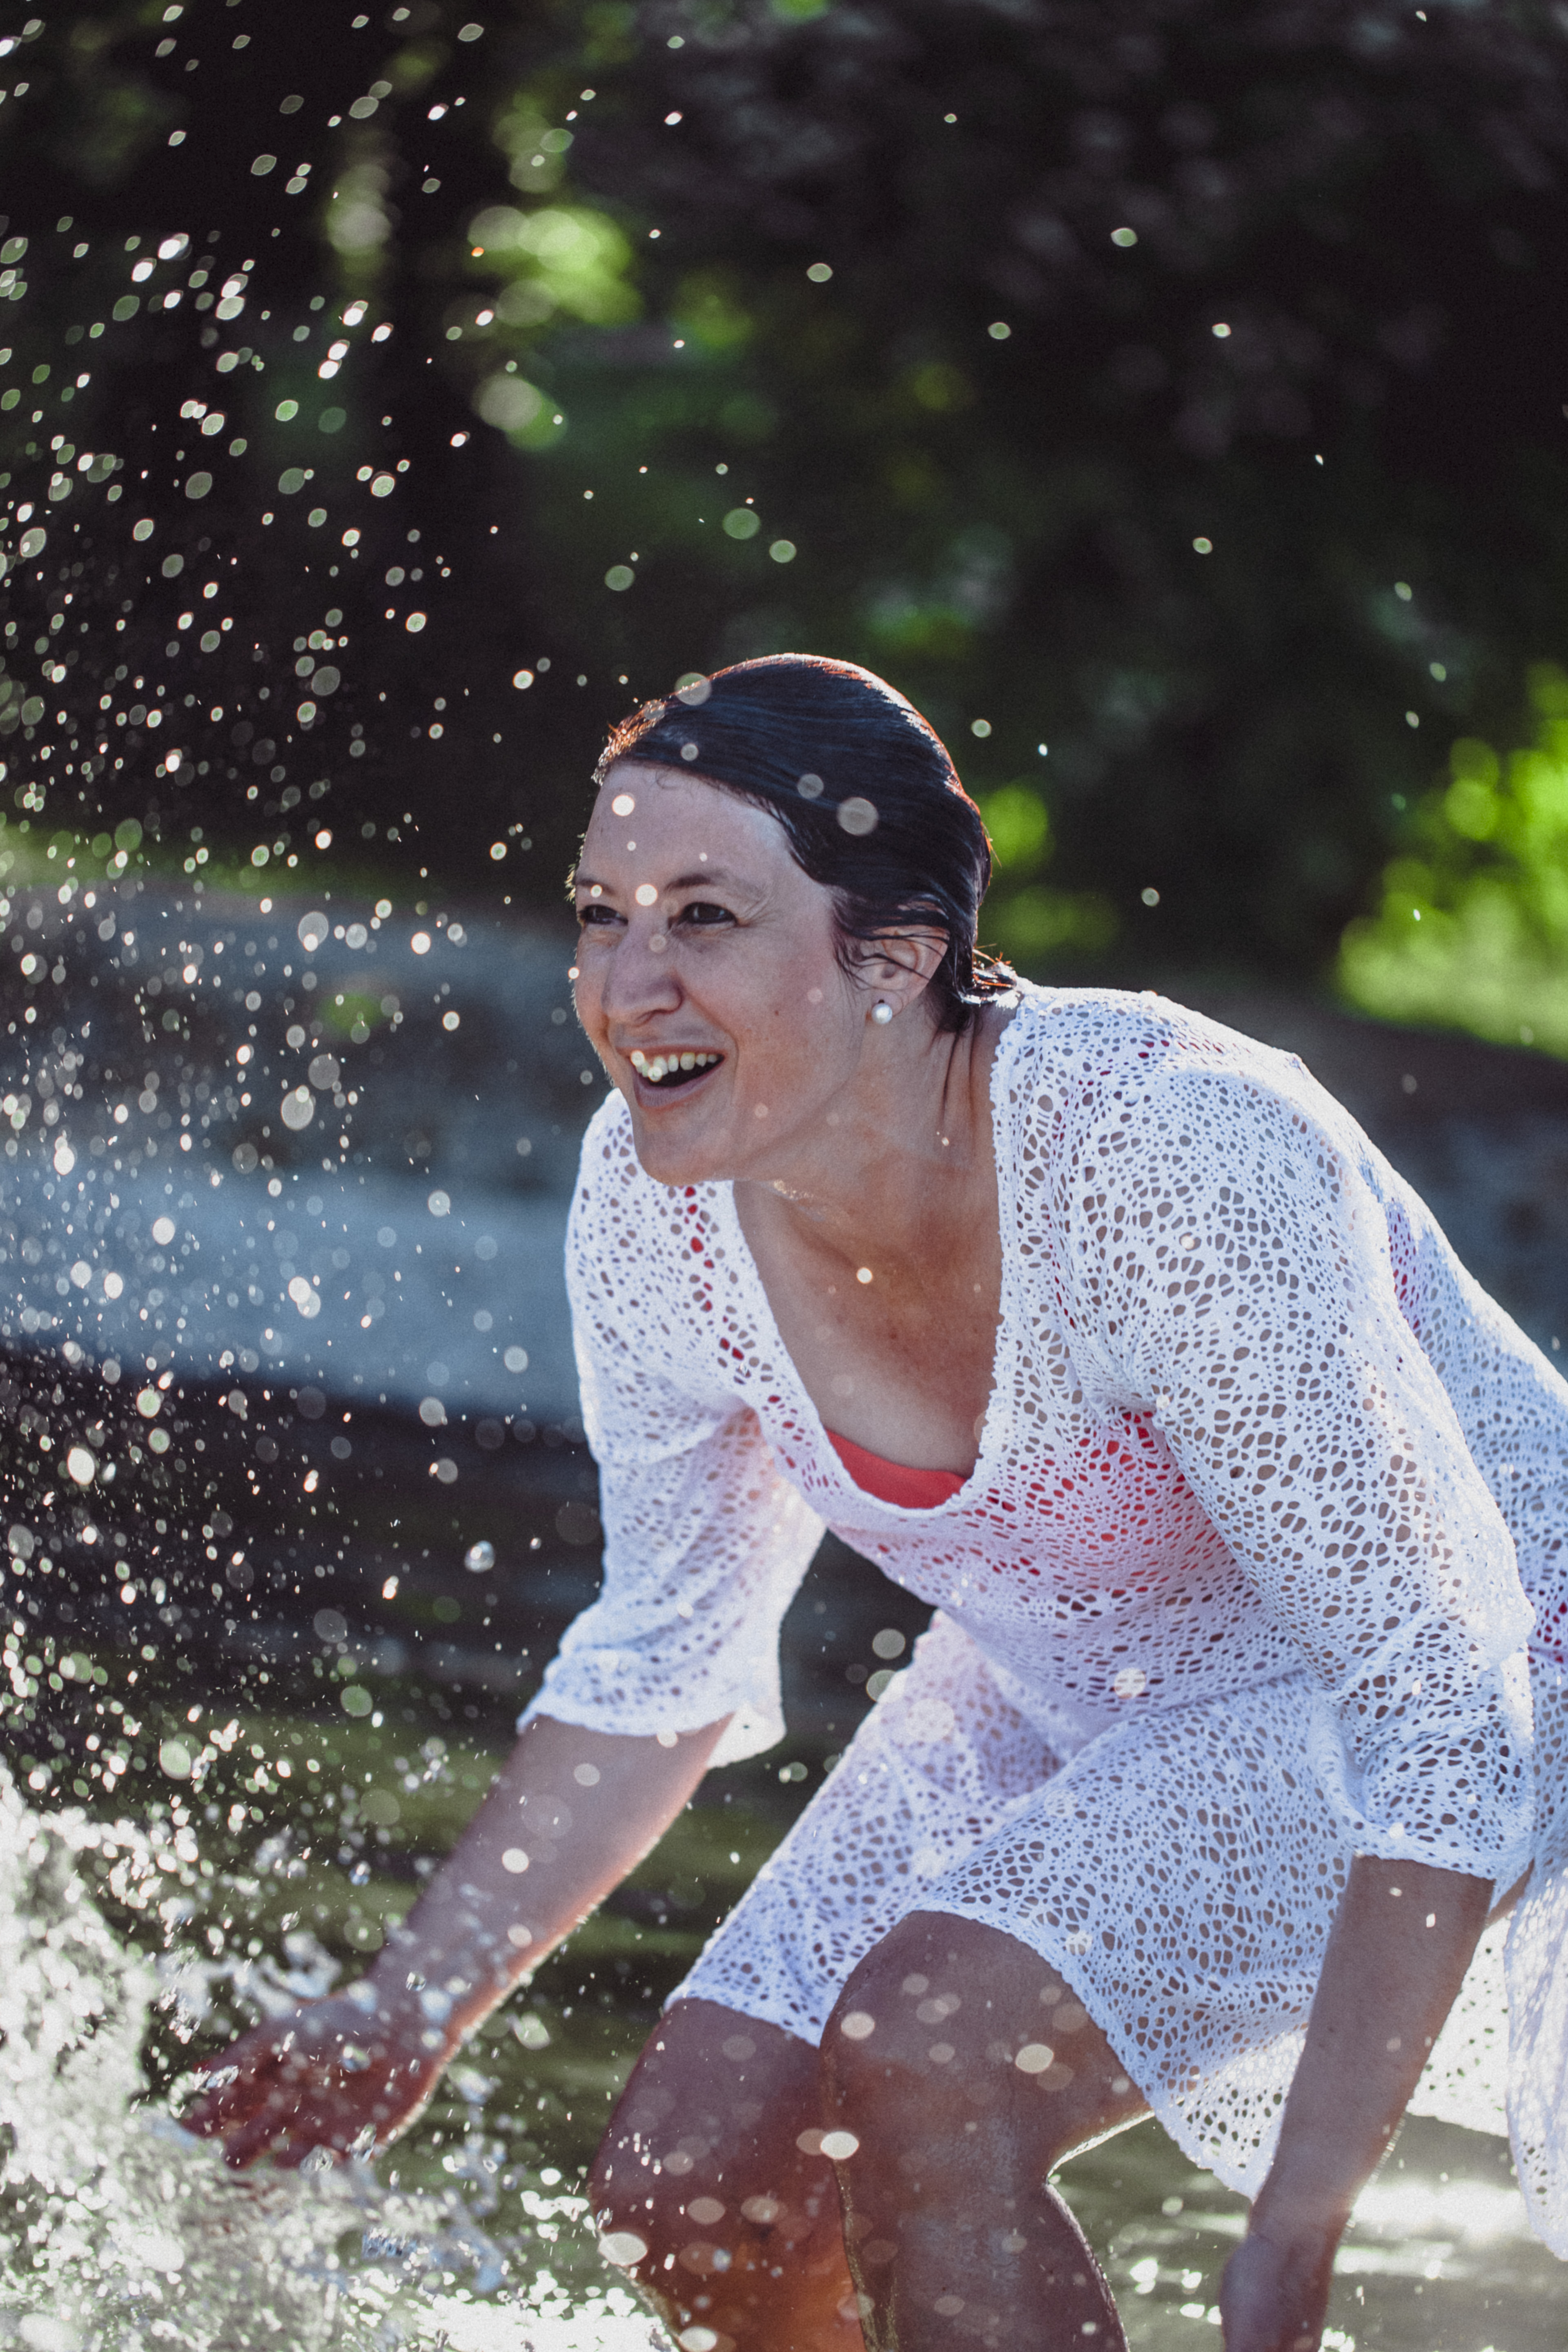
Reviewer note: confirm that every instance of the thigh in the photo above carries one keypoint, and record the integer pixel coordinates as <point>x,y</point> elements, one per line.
<point>952,2040</point>
<point>1182,1874</point>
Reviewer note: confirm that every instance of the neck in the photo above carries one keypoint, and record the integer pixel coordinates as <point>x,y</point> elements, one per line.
<point>893,1152</point>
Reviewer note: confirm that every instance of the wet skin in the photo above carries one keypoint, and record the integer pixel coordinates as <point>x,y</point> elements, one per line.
<point>946,2232</point>
<point>860,1153</point>
<point>856,1148</point>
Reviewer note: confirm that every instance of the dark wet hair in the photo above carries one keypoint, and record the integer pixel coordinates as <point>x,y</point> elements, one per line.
<point>864,789</point>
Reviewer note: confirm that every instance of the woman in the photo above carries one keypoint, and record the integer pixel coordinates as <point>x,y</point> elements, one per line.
<point>1106,1330</point>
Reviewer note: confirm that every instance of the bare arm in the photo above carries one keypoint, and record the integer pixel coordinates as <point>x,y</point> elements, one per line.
<point>1395,1961</point>
<point>570,1814</point>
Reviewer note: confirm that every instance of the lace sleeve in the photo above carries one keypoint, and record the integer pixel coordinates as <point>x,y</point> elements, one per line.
<point>1228,1272</point>
<point>705,1541</point>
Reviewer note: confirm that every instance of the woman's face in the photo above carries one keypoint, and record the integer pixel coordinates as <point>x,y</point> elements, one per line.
<point>708,981</point>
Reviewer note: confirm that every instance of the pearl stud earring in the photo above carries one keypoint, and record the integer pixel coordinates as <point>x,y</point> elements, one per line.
<point>882,1013</point>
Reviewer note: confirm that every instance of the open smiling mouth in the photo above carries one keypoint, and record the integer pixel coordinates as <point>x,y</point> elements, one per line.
<point>672,1069</point>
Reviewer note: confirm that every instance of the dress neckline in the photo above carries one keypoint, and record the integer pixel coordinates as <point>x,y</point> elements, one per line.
<point>992,1433</point>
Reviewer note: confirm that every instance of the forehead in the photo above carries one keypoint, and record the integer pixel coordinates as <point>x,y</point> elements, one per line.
<point>676,814</point>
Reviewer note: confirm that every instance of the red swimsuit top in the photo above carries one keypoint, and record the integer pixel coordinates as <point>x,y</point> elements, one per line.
<point>895,1482</point>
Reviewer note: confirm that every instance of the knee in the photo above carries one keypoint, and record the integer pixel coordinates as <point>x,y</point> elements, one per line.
<point>678,2233</point>
<point>938,2033</point>
<point>879,2043</point>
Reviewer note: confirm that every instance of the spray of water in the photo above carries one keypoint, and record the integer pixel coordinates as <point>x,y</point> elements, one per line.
<point>120,2233</point>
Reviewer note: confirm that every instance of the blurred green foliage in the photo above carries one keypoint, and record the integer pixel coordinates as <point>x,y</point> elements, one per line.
<point>1472,931</point>
<point>1177,388</point>
<point>1020,825</point>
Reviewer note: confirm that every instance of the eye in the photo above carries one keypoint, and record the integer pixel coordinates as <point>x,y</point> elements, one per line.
<point>702,914</point>
<point>593,915</point>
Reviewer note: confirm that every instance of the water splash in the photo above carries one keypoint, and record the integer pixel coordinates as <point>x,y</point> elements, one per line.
<point>120,2233</point>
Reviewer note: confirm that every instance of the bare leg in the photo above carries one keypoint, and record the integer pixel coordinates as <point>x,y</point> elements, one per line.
<point>935,2061</point>
<point>702,2166</point>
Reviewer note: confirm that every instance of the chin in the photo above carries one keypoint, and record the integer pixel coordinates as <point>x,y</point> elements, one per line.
<point>673,1159</point>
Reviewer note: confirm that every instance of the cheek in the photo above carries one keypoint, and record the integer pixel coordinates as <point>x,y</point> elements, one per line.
<point>793,1066</point>
<point>586,998</point>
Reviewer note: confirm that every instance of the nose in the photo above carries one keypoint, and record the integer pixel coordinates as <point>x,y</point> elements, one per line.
<point>642,977</point>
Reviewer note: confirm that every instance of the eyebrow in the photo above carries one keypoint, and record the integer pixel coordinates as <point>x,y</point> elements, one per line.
<point>705,876</point>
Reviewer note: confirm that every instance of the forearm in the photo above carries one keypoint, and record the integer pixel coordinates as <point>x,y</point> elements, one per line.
<point>1395,1961</point>
<point>570,1814</point>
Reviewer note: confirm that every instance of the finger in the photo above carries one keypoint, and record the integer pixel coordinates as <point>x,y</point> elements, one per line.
<point>253,2115</point>
<point>218,2112</point>
<point>222,2103</point>
<point>242,2149</point>
<point>270,2123</point>
<point>290,2153</point>
<point>262,2134</point>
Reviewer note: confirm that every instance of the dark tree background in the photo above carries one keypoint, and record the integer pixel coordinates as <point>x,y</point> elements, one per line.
<point>1176,386</point>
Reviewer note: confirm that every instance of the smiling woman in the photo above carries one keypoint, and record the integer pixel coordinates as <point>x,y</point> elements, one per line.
<point>730,937</point>
<point>863,790</point>
<point>1106,1331</point>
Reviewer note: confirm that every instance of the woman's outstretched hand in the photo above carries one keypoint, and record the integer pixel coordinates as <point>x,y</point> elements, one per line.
<point>332,2074</point>
<point>1274,2298</point>
<point>349,2073</point>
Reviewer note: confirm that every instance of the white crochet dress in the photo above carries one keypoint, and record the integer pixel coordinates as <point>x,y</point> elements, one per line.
<point>1230,1596</point>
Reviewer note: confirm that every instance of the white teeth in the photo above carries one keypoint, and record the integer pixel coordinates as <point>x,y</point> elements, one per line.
<point>656,1067</point>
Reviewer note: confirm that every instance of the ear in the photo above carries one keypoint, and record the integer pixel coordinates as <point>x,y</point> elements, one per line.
<point>900,964</point>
